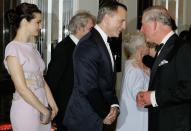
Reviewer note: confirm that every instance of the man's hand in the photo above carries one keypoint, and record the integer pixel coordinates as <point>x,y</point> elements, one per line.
<point>143,98</point>
<point>111,117</point>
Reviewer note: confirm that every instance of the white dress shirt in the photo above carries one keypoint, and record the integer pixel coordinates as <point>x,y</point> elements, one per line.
<point>74,39</point>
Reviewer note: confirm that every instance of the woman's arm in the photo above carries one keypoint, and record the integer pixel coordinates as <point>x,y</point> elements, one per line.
<point>17,75</point>
<point>51,101</point>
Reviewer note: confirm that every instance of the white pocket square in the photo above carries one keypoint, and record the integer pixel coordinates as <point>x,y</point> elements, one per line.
<point>163,62</point>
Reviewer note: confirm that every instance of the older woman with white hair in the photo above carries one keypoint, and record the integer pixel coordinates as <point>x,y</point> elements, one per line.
<point>135,79</point>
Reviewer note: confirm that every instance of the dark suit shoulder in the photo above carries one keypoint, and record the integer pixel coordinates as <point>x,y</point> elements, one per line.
<point>92,37</point>
<point>62,55</point>
<point>88,42</point>
<point>67,42</point>
<point>87,49</point>
<point>184,48</point>
<point>87,38</point>
<point>64,48</point>
<point>181,45</point>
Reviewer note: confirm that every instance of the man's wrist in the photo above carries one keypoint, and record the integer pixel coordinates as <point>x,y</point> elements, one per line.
<point>116,106</point>
<point>153,99</point>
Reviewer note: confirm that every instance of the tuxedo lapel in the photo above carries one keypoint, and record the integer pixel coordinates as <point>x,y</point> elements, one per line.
<point>102,47</point>
<point>163,54</point>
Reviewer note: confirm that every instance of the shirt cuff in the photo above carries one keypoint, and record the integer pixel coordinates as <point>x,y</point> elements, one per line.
<point>153,99</point>
<point>115,105</point>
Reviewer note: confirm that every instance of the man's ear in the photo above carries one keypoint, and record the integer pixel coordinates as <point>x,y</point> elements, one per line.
<point>106,19</point>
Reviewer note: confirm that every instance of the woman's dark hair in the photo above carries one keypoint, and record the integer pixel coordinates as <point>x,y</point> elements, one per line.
<point>23,10</point>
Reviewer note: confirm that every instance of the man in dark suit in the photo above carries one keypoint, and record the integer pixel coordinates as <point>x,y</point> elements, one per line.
<point>169,95</point>
<point>60,69</point>
<point>93,103</point>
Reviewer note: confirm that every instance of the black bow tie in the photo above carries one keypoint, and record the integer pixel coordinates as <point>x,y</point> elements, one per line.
<point>158,47</point>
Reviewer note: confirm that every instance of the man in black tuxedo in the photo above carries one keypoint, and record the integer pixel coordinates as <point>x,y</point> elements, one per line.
<point>148,60</point>
<point>60,69</point>
<point>93,103</point>
<point>169,95</point>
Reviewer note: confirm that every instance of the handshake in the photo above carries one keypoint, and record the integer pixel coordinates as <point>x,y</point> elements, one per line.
<point>46,118</point>
<point>143,98</point>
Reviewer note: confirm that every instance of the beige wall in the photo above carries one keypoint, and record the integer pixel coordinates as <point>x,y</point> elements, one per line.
<point>55,20</point>
<point>187,13</point>
<point>132,14</point>
<point>89,5</point>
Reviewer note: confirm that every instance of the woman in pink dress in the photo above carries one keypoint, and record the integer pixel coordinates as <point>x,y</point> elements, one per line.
<point>32,97</point>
